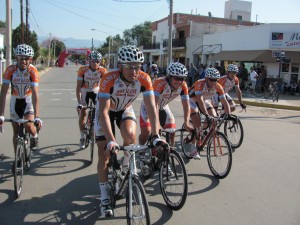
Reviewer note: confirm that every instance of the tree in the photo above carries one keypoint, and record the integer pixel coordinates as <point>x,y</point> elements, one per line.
<point>138,35</point>
<point>32,40</point>
<point>2,24</point>
<point>115,43</point>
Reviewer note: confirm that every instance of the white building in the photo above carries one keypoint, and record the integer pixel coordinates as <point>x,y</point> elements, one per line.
<point>259,44</point>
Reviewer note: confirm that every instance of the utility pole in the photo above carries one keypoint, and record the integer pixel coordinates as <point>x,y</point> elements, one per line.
<point>27,25</point>
<point>49,50</point>
<point>170,32</point>
<point>8,33</point>
<point>22,23</point>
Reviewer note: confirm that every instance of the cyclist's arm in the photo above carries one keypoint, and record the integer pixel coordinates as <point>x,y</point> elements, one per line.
<point>104,106</point>
<point>152,112</point>
<point>78,91</point>
<point>35,100</point>
<point>201,104</point>
<point>4,91</point>
<point>186,112</point>
<point>239,94</point>
<point>225,104</point>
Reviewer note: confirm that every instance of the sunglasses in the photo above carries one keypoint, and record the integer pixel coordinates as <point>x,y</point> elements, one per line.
<point>212,80</point>
<point>178,78</point>
<point>95,61</point>
<point>131,67</point>
<point>23,58</point>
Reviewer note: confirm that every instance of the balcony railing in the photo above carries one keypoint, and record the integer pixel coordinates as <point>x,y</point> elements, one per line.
<point>152,46</point>
<point>176,43</point>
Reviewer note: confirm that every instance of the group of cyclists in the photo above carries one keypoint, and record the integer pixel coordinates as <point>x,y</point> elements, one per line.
<point>113,93</point>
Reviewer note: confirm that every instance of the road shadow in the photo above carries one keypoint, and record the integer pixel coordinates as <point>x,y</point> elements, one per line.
<point>74,203</point>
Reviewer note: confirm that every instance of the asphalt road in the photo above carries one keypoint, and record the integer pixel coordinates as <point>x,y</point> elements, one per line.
<point>262,187</point>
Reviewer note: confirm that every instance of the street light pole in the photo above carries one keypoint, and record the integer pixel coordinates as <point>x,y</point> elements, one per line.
<point>170,32</point>
<point>93,40</point>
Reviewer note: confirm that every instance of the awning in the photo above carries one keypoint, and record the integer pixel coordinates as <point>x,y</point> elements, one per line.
<point>254,56</point>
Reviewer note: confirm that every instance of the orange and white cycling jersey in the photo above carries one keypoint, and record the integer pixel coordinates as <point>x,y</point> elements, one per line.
<point>163,90</point>
<point>200,88</point>
<point>121,95</point>
<point>21,81</point>
<point>90,80</point>
<point>227,84</point>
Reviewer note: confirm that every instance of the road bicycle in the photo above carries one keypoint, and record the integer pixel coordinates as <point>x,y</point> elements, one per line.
<point>89,130</point>
<point>218,148</point>
<point>258,91</point>
<point>128,183</point>
<point>272,92</point>
<point>233,129</point>
<point>172,172</point>
<point>23,154</point>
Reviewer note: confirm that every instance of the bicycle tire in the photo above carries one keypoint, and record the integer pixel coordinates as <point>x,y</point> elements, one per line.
<point>137,208</point>
<point>275,96</point>
<point>215,159</point>
<point>268,94</point>
<point>27,151</point>
<point>18,169</point>
<point>186,147</point>
<point>173,181</point>
<point>233,129</point>
<point>259,91</point>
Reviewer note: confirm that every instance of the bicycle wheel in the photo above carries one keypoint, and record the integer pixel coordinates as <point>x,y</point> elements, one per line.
<point>173,181</point>
<point>259,91</point>
<point>275,95</point>
<point>18,169</point>
<point>27,151</point>
<point>267,94</point>
<point>186,143</point>
<point>233,129</point>
<point>219,155</point>
<point>137,209</point>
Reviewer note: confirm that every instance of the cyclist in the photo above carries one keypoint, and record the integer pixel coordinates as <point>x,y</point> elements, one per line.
<point>200,97</point>
<point>118,89</point>
<point>24,101</point>
<point>166,89</point>
<point>153,71</point>
<point>227,82</point>
<point>88,80</point>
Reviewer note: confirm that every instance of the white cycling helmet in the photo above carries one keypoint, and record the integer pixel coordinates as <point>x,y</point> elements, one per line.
<point>24,50</point>
<point>177,70</point>
<point>94,55</point>
<point>212,73</point>
<point>130,53</point>
<point>232,68</point>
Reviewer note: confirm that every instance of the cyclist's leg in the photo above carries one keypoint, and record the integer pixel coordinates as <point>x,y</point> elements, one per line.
<point>215,101</point>
<point>102,170</point>
<point>82,117</point>
<point>126,121</point>
<point>17,108</point>
<point>195,118</point>
<point>231,102</point>
<point>145,126</point>
<point>167,120</point>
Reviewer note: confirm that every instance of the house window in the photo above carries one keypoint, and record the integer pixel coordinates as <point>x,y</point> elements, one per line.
<point>239,18</point>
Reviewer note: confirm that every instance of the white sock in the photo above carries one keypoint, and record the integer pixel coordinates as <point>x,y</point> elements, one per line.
<point>35,136</point>
<point>103,191</point>
<point>81,134</point>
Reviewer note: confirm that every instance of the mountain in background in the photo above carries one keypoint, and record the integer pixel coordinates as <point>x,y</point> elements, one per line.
<point>75,43</point>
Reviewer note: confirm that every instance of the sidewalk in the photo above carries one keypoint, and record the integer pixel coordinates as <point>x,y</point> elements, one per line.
<point>285,101</point>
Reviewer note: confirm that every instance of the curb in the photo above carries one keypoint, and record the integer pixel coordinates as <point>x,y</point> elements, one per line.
<point>270,105</point>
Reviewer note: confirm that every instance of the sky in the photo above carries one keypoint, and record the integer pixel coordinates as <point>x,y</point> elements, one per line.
<point>77,18</point>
